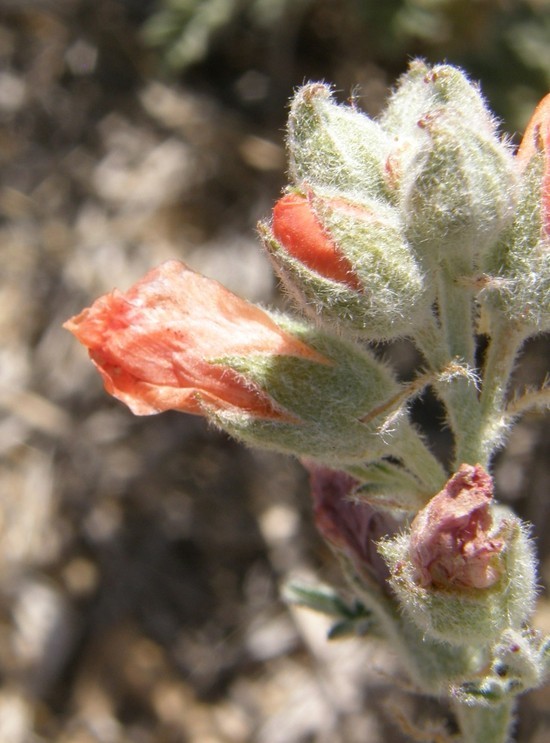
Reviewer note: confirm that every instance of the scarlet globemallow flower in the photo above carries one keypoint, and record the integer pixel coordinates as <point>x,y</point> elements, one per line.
<point>537,139</point>
<point>161,345</point>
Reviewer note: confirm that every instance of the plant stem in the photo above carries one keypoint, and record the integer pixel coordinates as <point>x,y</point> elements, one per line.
<point>431,342</point>
<point>459,394</point>
<point>506,341</point>
<point>485,724</point>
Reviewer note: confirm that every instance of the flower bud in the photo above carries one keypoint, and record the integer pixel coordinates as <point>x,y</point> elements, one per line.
<point>422,91</point>
<point>464,572</point>
<point>347,262</point>
<point>177,340</point>
<point>352,527</point>
<point>156,345</point>
<point>454,176</point>
<point>298,229</point>
<point>335,146</point>
<point>518,267</point>
<point>537,140</point>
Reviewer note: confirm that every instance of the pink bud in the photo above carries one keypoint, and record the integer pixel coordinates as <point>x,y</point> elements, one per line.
<point>161,344</point>
<point>297,228</point>
<point>351,526</point>
<point>451,545</point>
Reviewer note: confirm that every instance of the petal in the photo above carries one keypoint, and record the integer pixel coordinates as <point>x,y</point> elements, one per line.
<point>297,229</point>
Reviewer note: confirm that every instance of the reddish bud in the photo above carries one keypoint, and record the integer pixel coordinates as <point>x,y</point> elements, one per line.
<point>351,526</point>
<point>297,228</point>
<point>161,344</point>
<point>451,544</point>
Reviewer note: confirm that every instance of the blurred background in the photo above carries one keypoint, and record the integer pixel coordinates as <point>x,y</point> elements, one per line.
<point>141,558</point>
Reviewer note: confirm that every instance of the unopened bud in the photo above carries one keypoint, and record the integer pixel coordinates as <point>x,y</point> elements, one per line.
<point>454,175</point>
<point>518,266</point>
<point>457,194</point>
<point>297,228</point>
<point>179,341</point>
<point>348,263</point>
<point>335,146</point>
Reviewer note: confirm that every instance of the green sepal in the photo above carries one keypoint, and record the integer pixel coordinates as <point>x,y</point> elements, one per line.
<point>390,487</point>
<point>457,195</point>
<point>518,266</point>
<point>336,146</point>
<point>469,617</point>
<point>326,401</point>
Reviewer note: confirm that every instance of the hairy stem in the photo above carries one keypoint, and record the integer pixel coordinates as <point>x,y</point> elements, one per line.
<point>506,342</point>
<point>483,724</point>
<point>459,394</point>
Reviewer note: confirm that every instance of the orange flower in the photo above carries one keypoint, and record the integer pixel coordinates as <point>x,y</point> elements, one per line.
<point>160,346</point>
<point>537,139</point>
<point>298,230</point>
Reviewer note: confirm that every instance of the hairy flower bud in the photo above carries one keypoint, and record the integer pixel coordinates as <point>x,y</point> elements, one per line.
<point>518,267</point>
<point>423,90</point>
<point>348,263</point>
<point>177,340</point>
<point>464,572</point>
<point>335,146</point>
<point>156,345</point>
<point>455,177</point>
<point>457,193</point>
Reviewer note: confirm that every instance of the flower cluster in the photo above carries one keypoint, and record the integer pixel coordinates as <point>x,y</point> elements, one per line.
<point>423,224</point>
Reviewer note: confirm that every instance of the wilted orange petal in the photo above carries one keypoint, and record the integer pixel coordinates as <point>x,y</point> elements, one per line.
<point>156,345</point>
<point>451,543</point>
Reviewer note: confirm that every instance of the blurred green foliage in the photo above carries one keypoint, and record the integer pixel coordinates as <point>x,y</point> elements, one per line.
<point>183,30</point>
<point>503,43</point>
